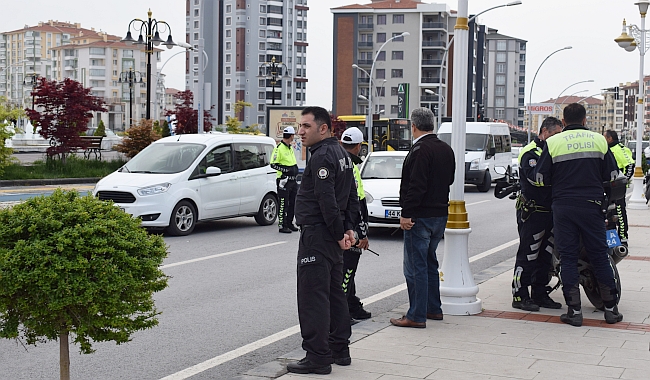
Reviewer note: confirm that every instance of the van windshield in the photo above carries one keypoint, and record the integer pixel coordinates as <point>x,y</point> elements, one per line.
<point>168,158</point>
<point>473,142</point>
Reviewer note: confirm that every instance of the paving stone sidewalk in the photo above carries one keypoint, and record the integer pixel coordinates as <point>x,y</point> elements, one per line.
<point>505,343</point>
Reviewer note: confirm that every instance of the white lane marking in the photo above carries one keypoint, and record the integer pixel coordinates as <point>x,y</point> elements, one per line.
<point>475,203</point>
<point>220,255</point>
<point>218,360</point>
<point>493,250</point>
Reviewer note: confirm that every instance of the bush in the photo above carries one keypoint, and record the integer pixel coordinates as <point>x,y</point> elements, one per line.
<point>137,138</point>
<point>101,129</point>
<point>73,266</point>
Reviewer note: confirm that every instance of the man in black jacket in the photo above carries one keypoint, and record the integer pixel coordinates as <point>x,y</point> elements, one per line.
<point>427,174</point>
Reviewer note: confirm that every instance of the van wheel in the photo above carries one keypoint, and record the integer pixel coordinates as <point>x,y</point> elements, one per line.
<point>487,183</point>
<point>183,219</point>
<point>268,211</point>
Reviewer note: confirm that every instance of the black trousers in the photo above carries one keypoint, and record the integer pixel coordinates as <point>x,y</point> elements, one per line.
<point>287,199</point>
<point>322,308</point>
<point>534,256</point>
<point>350,264</point>
<point>584,223</point>
<point>622,219</point>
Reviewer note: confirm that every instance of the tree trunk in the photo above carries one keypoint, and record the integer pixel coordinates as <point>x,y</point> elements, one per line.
<point>64,356</point>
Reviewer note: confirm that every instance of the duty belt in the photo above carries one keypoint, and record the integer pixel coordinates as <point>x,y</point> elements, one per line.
<point>528,207</point>
<point>303,226</point>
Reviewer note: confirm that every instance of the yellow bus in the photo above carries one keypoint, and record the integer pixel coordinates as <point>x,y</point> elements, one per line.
<point>387,134</point>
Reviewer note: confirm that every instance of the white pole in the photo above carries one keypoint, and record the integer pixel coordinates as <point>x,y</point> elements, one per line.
<point>199,94</point>
<point>457,287</point>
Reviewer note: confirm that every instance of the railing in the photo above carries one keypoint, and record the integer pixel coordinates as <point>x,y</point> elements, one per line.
<point>432,80</point>
<point>429,98</point>
<point>365,44</point>
<point>434,43</point>
<point>432,62</point>
<point>433,25</point>
<point>366,26</point>
<point>367,62</point>
<point>363,80</point>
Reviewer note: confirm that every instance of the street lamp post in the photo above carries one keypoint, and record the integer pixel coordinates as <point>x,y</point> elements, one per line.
<point>151,38</point>
<point>33,79</point>
<point>444,55</point>
<point>630,43</point>
<point>564,101</point>
<point>130,77</point>
<point>440,96</point>
<point>372,70</point>
<point>530,96</point>
<point>273,70</point>
<point>568,87</point>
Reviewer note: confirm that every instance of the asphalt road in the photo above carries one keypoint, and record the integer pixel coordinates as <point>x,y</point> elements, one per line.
<point>220,304</point>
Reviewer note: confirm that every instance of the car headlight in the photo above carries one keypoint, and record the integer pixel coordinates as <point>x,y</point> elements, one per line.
<point>474,164</point>
<point>155,189</point>
<point>369,198</point>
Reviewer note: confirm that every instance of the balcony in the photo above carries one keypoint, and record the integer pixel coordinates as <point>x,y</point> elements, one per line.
<point>434,43</point>
<point>431,62</point>
<point>434,25</point>
<point>364,62</point>
<point>428,98</point>
<point>366,26</point>
<point>431,80</point>
<point>365,44</point>
<point>363,80</point>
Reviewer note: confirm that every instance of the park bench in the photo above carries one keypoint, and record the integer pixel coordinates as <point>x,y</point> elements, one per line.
<point>89,145</point>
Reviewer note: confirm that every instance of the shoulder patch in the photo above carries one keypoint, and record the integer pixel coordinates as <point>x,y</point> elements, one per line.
<point>532,162</point>
<point>323,173</point>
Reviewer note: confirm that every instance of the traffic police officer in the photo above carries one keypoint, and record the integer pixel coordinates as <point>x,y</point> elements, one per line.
<point>284,161</point>
<point>351,140</point>
<point>535,225</point>
<point>575,163</point>
<point>326,210</point>
<point>625,162</point>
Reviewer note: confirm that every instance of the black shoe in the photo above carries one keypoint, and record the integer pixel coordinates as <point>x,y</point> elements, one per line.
<point>353,321</point>
<point>525,304</point>
<point>285,230</point>
<point>547,302</point>
<point>613,316</point>
<point>360,313</point>
<point>293,228</point>
<point>342,358</point>
<point>304,366</point>
<point>571,318</point>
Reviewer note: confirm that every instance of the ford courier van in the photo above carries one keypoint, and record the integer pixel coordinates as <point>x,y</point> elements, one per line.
<point>180,180</point>
<point>487,145</point>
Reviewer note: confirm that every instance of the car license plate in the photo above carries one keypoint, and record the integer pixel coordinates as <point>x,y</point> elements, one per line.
<point>393,214</point>
<point>612,239</point>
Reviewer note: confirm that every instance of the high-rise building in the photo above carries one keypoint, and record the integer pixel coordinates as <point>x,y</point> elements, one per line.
<point>240,36</point>
<point>506,77</point>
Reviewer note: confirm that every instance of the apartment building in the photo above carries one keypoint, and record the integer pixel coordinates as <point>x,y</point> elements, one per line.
<point>239,37</point>
<point>506,77</point>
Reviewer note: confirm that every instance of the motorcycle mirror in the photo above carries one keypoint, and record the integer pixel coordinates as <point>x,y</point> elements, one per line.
<point>500,170</point>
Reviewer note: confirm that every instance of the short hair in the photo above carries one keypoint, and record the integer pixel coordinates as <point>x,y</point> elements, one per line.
<point>321,116</point>
<point>574,113</point>
<point>612,134</point>
<point>348,146</point>
<point>549,123</point>
<point>423,119</point>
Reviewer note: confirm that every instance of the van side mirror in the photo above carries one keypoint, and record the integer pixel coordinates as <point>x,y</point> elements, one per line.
<point>212,171</point>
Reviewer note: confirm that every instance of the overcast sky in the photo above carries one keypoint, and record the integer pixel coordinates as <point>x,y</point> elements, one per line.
<point>590,26</point>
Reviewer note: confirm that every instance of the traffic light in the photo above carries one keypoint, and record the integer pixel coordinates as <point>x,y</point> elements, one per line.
<point>480,113</point>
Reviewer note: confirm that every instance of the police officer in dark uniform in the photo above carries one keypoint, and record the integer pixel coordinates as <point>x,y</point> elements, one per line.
<point>575,163</point>
<point>283,160</point>
<point>326,211</point>
<point>535,225</point>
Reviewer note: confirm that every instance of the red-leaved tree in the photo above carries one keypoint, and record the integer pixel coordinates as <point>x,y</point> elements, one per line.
<point>62,110</point>
<point>187,116</point>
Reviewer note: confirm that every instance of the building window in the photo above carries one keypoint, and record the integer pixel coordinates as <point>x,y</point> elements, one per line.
<point>228,57</point>
<point>522,91</point>
<point>499,114</point>
<point>228,33</point>
<point>261,83</point>
<point>522,57</point>
<point>261,95</point>
<point>228,8</point>
<point>500,79</point>
<point>196,24</point>
<point>398,39</point>
<point>260,120</point>
<point>398,19</point>
<point>380,57</point>
<point>261,58</point>
<point>227,94</point>
<point>227,82</point>
<point>501,68</point>
<point>522,80</point>
<point>522,46</point>
<point>381,19</point>
<point>394,108</point>
<point>262,21</point>
<point>397,73</point>
<point>500,91</point>
<point>196,13</point>
<point>500,102</point>
<point>196,60</point>
<point>381,74</point>
<point>262,8</point>
<point>196,36</point>
<point>228,20</point>
<point>228,69</point>
<point>501,45</point>
<point>521,102</point>
<point>227,107</point>
<point>381,37</point>
<point>228,45</point>
<point>262,33</point>
<point>522,68</point>
<point>393,91</point>
<point>397,55</point>
<point>381,91</point>
<point>501,57</point>
<point>262,46</point>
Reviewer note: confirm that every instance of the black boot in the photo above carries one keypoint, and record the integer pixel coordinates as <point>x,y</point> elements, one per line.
<point>524,304</point>
<point>305,366</point>
<point>613,316</point>
<point>342,358</point>
<point>360,313</point>
<point>543,300</point>
<point>285,230</point>
<point>572,317</point>
<point>293,227</point>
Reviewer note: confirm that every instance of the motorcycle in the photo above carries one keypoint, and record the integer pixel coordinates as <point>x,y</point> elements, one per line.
<point>614,191</point>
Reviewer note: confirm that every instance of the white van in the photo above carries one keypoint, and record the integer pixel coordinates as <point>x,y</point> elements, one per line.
<point>486,145</point>
<point>179,180</point>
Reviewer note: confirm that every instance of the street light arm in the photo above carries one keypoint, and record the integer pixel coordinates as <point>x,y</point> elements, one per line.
<point>584,81</point>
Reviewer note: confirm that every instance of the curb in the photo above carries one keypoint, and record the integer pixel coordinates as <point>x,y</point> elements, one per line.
<point>48,181</point>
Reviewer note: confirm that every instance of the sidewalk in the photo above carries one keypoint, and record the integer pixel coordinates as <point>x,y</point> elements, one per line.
<point>506,343</point>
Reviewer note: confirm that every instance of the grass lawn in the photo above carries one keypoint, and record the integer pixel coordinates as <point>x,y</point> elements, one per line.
<point>75,167</point>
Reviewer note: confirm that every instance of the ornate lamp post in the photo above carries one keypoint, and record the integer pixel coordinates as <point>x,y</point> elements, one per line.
<point>630,43</point>
<point>273,71</point>
<point>151,38</point>
<point>131,77</point>
<point>34,77</point>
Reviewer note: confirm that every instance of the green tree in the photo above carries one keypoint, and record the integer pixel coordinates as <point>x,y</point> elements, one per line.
<point>233,124</point>
<point>76,267</point>
<point>8,115</point>
<point>165,129</point>
<point>101,129</point>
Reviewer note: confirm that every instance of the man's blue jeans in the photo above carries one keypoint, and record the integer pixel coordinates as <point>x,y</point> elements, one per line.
<point>421,267</point>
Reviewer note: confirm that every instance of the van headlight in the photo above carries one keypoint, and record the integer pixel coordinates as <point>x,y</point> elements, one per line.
<point>474,164</point>
<point>155,189</point>
<point>369,198</point>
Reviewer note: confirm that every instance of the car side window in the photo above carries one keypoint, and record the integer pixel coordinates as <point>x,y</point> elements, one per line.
<point>268,152</point>
<point>220,157</point>
<point>248,156</point>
